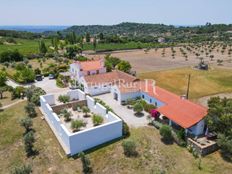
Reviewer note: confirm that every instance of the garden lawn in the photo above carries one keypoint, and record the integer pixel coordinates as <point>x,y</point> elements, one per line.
<point>203,83</point>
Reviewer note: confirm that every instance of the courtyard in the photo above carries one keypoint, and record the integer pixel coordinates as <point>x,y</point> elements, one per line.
<point>128,115</point>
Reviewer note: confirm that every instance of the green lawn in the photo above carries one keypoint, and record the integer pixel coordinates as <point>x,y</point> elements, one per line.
<point>203,83</point>
<point>154,156</point>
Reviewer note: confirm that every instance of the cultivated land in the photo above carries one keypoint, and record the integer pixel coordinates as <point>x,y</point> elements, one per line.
<point>154,156</point>
<point>203,83</point>
<point>24,46</point>
<point>154,61</point>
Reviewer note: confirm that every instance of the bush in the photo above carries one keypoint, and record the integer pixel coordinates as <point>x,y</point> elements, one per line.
<point>18,92</point>
<point>24,169</point>
<point>148,107</point>
<point>30,110</point>
<point>29,143</point>
<point>64,98</point>
<point>77,124</point>
<point>67,115</point>
<point>129,147</point>
<point>87,169</point>
<point>138,107</point>
<point>166,133</point>
<point>97,120</point>
<point>10,56</point>
<point>33,94</point>
<point>86,110</point>
<point>26,123</point>
<point>126,130</point>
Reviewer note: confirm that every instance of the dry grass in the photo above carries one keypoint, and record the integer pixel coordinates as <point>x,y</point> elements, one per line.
<point>203,83</point>
<point>7,99</point>
<point>154,156</point>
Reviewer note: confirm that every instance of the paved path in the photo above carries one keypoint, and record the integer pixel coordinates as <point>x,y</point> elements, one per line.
<point>12,104</point>
<point>49,86</point>
<point>122,111</point>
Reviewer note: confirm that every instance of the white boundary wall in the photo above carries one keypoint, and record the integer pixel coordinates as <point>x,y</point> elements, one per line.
<point>74,143</point>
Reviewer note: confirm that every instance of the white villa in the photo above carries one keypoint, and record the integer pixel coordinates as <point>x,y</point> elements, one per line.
<point>180,112</point>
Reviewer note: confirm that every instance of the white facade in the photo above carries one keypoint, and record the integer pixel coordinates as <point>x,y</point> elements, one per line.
<point>197,129</point>
<point>77,72</point>
<point>74,143</point>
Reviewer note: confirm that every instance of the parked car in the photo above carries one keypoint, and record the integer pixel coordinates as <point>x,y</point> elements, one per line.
<point>51,76</point>
<point>38,77</point>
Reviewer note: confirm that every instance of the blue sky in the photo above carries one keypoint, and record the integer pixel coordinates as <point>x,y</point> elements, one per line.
<point>84,12</point>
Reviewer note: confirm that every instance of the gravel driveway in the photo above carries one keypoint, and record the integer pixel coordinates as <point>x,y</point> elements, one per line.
<point>49,86</point>
<point>122,111</point>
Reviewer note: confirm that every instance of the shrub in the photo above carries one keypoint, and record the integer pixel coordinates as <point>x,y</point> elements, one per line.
<point>30,110</point>
<point>64,98</point>
<point>148,107</point>
<point>129,147</point>
<point>77,124</point>
<point>67,115</point>
<point>33,94</point>
<point>86,110</point>
<point>97,120</point>
<point>29,143</point>
<point>26,123</point>
<point>18,92</point>
<point>24,169</point>
<point>138,107</point>
<point>87,169</point>
<point>125,130</point>
<point>166,133</point>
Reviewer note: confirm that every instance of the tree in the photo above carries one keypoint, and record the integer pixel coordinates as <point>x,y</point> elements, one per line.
<point>94,43</point>
<point>29,143</point>
<point>71,51</point>
<point>26,123</point>
<point>101,36</point>
<point>24,169</point>
<point>3,78</point>
<point>138,107</point>
<point>10,56</point>
<point>42,47</point>
<point>86,165</point>
<point>87,37</point>
<point>129,147</point>
<point>30,110</point>
<point>124,66</point>
<point>219,120</point>
<point>86,110</point>
<point>166,133</point>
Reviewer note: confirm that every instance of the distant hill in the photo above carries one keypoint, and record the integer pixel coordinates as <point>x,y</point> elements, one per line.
<point>34,29</point>
<point>140,29</point>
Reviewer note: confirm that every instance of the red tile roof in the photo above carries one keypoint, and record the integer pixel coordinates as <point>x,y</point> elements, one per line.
<point>91,64</point>
<point>110,77</point>
<point>182,111</point>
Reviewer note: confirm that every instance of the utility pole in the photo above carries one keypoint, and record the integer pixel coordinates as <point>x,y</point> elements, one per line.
<point>187,95</point>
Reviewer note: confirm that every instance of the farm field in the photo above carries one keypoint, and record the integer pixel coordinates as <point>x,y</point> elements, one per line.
<point>24,46</point>
<point>154,156</point>
<point>153,60</point>
<point>203,83</point>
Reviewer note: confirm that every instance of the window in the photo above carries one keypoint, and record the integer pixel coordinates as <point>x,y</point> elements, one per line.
<point>97,71</point>
<point>95,87</point>
<point>142,96</point>
<point>150,100</point>
<point>88,73</point>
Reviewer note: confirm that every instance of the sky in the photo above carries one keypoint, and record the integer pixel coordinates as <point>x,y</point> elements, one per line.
<point>107,12</point>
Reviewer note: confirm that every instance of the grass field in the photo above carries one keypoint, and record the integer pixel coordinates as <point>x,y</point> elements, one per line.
<point>154,156</point>
<point>203,83</point>
<point>24,46</point>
